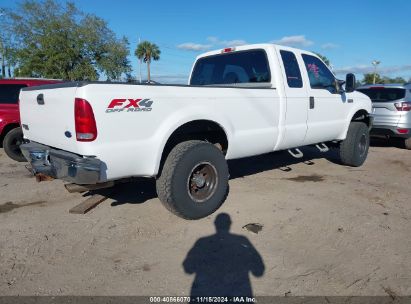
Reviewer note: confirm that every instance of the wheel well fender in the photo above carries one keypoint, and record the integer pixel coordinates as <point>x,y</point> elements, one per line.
<point>200,129</point>
<point>358,115</point>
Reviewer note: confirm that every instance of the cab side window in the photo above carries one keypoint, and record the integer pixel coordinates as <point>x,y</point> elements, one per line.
<point>319,75</point>
<point>292,70</point>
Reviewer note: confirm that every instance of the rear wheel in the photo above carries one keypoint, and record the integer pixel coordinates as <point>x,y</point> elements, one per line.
<point>407,143</point>
<point>354,148</point>
<point>194,180</point>
<point>11,144</point>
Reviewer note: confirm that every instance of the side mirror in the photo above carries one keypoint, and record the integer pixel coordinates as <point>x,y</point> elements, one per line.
<point>350,83</point>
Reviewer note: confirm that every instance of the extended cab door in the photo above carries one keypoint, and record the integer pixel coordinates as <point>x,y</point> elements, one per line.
<point>296,112</point>
<point>327,110</point>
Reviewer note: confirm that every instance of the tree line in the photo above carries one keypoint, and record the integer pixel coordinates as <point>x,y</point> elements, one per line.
<point>52,40</point>
<point>369,79</point>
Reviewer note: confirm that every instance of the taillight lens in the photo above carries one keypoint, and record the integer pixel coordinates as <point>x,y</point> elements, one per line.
<point>403,106</point>
<point>402,131</point>
<point>86,129</point>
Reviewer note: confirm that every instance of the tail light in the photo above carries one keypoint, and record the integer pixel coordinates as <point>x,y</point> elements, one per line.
<point>403,106</point>
<point>86,129</point>
<point>402,131</point>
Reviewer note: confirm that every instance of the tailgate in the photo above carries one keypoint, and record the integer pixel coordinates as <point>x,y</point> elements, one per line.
<point>47,116</point>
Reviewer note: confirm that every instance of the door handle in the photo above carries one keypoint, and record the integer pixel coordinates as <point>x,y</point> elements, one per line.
<point>312,102</point>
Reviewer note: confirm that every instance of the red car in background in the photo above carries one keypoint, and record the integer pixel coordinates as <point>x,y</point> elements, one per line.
<point>11,135</point>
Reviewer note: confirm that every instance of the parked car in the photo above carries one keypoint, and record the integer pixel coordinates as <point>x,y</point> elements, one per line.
<point>240,102</point>
<point>391,105</point>
<point>11,135</point>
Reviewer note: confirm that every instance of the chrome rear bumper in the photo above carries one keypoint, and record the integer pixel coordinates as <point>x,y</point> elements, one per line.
<point>61,164</point>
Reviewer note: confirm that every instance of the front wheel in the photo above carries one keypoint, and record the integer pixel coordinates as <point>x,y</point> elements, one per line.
<point>11,144</point>
<point>354,148</point>
<point>194,180</point>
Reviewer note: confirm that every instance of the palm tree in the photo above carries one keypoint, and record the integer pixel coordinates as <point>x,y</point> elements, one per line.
<point>147,51</point>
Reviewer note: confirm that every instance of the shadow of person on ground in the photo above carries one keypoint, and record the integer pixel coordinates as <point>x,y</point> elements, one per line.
<point>222,262</point>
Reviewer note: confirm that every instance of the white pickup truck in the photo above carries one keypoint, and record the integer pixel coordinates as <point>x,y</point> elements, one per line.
<point>239,102</point>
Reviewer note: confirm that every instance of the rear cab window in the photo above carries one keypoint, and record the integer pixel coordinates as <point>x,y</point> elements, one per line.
<point>249,66</point>
<point>383,94</point>
<point>9,93</point>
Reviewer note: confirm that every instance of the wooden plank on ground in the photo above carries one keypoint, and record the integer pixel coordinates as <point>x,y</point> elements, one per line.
<point>88,204</point>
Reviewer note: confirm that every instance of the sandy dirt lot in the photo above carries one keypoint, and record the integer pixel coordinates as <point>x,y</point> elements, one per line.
<point>327,230</point>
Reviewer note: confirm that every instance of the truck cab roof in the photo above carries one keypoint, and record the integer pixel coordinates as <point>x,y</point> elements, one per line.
<point>251,47</point>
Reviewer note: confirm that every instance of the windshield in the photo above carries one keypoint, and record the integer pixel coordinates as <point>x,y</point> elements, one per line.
<point>384,94</point>
<point>236,67</point>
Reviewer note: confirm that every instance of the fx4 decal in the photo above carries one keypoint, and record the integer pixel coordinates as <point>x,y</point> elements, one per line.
<point>129,105</point>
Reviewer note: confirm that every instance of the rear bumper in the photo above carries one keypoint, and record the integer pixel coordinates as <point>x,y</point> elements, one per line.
<point>62,164</point>
<point>391,131</point>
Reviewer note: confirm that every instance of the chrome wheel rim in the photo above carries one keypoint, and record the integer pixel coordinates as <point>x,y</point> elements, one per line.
<point>202,182</point>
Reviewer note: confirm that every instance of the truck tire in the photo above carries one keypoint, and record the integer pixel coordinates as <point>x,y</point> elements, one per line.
<point>354,148</point>
<point>407,143</point>
<point>194,180</point>
<point>11,144</point>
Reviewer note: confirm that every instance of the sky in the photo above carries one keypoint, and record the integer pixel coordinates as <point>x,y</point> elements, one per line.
<point>350,33</point>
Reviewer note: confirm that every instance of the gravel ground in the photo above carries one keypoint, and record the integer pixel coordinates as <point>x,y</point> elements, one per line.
<point>326,230</point>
